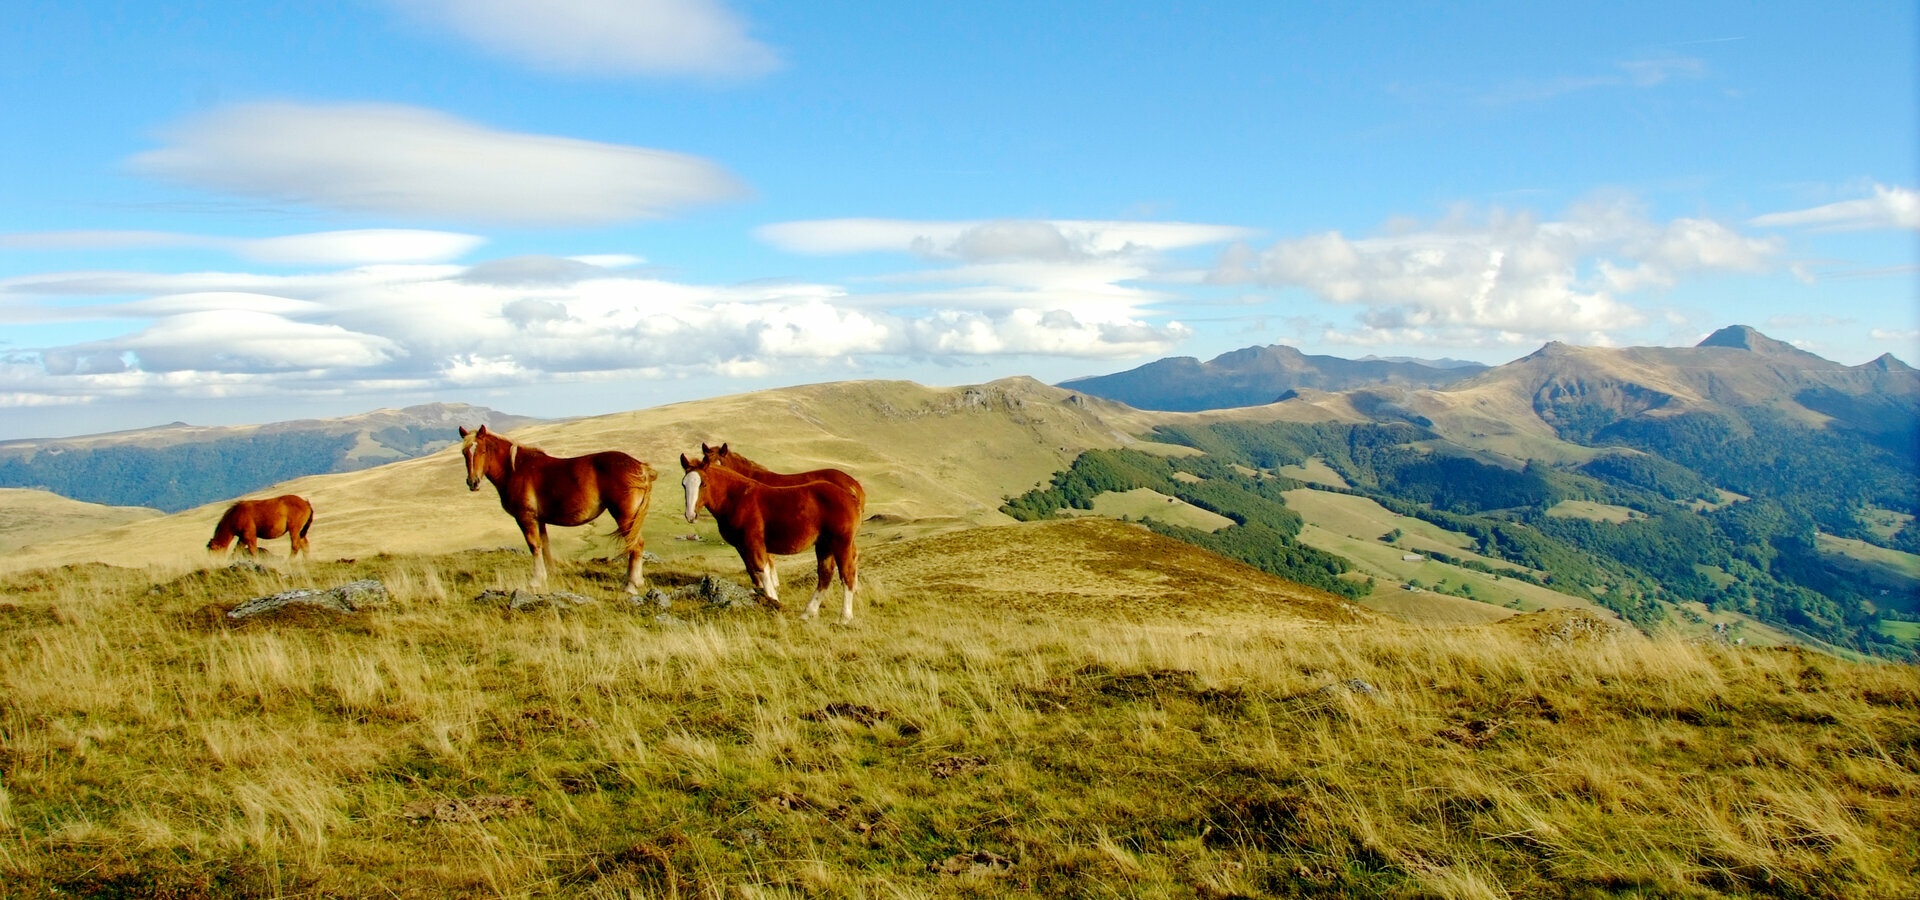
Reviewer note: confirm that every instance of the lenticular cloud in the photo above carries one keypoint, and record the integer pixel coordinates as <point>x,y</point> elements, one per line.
<point>422,164</point>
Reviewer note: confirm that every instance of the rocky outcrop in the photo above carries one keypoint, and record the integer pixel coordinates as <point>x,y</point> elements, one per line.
<point>349,598</point>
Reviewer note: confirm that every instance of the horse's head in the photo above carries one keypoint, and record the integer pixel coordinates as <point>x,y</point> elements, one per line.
<point>474,450</point>
<point>692,482</point>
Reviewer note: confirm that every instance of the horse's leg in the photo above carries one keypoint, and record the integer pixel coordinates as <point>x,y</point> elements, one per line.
<point>759,569</point>
<point>823,572</point>
<point>536,535</point>
<point>848,557</point>
<point>626,524</point>
<point>252,539</point>
<point>546,548</point>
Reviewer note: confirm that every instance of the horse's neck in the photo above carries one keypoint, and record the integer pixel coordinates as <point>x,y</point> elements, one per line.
<point>510,454</point>
<point>723,492</point>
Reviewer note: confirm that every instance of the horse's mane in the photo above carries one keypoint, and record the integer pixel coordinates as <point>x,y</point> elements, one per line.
<point>473,438</point>
<point>746,463</point>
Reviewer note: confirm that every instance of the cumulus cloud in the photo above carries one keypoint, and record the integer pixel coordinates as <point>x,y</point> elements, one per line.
<point>422,164</point>
<point>1889,207</point>
<point>1504,277</point>
<point>607,37</point>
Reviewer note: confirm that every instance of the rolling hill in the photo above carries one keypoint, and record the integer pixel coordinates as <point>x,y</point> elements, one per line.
<point>1259,375</point>
<point>30,517</point>
<point>931,459</point>
<point>1718,483</point>
<point>178,466</point>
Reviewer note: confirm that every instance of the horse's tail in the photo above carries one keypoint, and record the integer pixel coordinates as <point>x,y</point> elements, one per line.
<point>640,478</point>
<point>309,524</point>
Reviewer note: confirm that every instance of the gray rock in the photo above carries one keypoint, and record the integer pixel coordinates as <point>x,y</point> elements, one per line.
<point>351,597</point>
<point>721,593</point>
<point>522,599</point>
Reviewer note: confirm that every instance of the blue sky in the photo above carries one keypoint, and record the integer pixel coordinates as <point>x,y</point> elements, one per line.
<point>221,213</point>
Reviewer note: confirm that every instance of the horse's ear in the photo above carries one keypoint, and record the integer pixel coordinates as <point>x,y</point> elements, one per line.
<point>705,450</point>
<point>481,430</point>
<point>464,432</point>
<point>723,449</point>
<point>685,463</point>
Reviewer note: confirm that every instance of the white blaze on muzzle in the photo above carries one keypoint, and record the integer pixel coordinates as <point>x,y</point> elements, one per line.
<point>692,484</point>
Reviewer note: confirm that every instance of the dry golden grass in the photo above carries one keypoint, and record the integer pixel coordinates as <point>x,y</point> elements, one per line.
<point>31,516</point>
<point>1061,709</point>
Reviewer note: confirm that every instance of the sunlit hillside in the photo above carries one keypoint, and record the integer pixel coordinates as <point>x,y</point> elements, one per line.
<point>35,517</point>
<point>931,459</point>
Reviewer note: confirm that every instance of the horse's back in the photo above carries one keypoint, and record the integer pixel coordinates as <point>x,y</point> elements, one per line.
<point>796,515</point>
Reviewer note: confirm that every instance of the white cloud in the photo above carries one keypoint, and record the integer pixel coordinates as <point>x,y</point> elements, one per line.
<point>1890,206</point>
<point>369,245</point>
<point>995,240</point>
<point>607,37</point>
<point>512,322</point>
<point>247,341</point>
<point>1502,275</point>
<point>422,164</point>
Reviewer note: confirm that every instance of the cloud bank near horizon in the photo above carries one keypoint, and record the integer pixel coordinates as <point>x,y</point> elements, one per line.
<point>402,309</point>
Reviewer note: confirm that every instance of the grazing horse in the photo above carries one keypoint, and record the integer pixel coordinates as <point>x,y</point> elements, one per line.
<point>251,520</point>
<point>539,489</point>
<point>722,456</point>
<point>763,519</point>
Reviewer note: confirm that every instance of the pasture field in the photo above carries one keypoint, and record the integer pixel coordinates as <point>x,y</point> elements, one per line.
<point>1383,562</point>
<point>1314,471</point>
<point>1058,709</point>
<point>1141,503</point>
<point>1884,566</point>
<point>1363,519</point>
<point>1906,631</point>
<point>1884,523</point>
<point>1598,512</point>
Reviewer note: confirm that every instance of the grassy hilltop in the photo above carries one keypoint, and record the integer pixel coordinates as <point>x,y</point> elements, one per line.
<point>1062,707</point>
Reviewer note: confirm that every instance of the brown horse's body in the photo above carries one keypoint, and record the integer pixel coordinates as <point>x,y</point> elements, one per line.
<point>252,520</point>
<point>722,456</point>
<point>760,520</point>
<point>539,489</point>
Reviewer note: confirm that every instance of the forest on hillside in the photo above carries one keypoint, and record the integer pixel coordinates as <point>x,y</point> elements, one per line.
<point>1757,555</point>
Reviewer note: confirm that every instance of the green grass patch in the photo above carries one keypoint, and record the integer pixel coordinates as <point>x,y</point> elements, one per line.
<point>1143,503</point>
<point>1597,512</point>
<point>1905,631</point>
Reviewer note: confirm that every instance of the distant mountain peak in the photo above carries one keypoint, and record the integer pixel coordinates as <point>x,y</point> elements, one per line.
<point>1887,362</point>
<point>1744,338</point>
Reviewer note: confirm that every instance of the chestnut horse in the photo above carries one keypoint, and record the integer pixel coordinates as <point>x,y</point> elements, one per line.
<point>539,489</point>
<point>722,456</point>
<point>763,519</point>
<point>251,520</point>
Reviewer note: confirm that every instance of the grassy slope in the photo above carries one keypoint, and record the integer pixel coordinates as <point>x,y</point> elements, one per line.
<point>1070,708</point>
<point>33,517</point>
<point>930,458</point>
